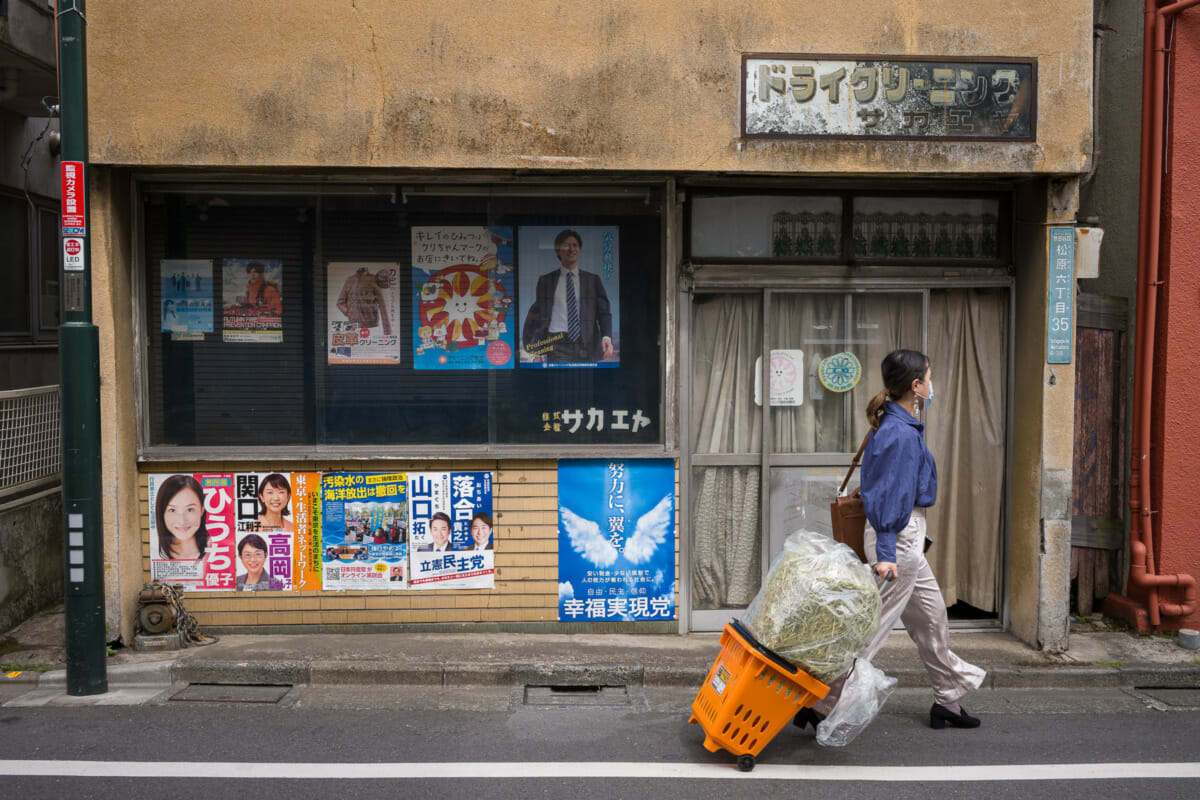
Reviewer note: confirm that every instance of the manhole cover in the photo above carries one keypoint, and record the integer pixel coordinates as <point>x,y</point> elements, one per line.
<point>231,693</point>
<point>576,696</point>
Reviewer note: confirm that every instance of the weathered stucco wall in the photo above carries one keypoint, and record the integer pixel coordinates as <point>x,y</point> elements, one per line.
<point>520,84</point>
<point>31,560</point>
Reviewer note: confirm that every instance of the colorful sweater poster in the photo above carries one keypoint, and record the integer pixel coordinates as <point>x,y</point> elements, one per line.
<point>252,291</point>
<point>273,517</point>
<point>187,295</point>
<point>453,541</point>
<point>616,540</point>
<point>364,531</point>
<point>192,530</point>
<point>463,298</point>
<point>364,312</point>
<point>569,284</point>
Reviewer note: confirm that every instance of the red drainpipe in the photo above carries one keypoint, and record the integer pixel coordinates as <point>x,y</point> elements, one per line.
<point>1141,534</point>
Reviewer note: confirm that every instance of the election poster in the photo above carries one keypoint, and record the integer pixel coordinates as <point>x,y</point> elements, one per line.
<point>616,540</point>
<point>363,309</point>
<point>270,507</point>
<point>452,533</point>
<point>192,530</point>
<point>569,285</point>
<point>463,297</point>
<point>364,530</point>
<point>187,297</point>
<point>252,291</point>
<point>306,534</point>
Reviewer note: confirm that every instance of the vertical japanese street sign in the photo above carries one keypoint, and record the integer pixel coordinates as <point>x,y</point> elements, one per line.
<point>888,97</point>
<point>74,215</point>
<point>1060,302</point>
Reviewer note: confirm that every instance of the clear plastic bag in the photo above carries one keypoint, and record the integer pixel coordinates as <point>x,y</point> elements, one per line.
<point>818,606</point>
<point>863,694</point>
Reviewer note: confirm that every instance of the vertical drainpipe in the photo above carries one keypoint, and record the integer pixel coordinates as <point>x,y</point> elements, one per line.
<point>79,379</point>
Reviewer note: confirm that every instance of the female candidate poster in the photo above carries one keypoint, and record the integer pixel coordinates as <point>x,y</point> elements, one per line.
<point>452,534</point>
<point>252,291</point>
<point>462,298</point>
<point>192,530</point>
<point>569,284</point>
<point>616,540</point>
<point>274,516</point>
<point>364,530</point>
<point>363,309</point>
<point>187,297</point>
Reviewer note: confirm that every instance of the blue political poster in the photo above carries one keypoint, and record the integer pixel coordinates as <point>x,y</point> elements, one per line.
<point>616,540</point>
<point>187,296</point>
<point>453,540</point>
<point>463,297</point>
<point>364,530</point>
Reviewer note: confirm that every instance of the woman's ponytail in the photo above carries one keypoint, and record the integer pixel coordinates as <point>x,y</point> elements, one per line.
<point>875,409</point>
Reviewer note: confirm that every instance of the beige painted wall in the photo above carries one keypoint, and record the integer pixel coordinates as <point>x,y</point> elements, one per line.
<point>520,84</point>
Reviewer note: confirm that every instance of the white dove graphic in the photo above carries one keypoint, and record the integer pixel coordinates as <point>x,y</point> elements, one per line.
<point>649,533</point>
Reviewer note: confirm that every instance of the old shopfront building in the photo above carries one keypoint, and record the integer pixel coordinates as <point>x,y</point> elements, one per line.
<point>348,220</point>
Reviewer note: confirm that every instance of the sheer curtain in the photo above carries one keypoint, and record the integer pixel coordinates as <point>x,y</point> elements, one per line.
<point>965,431</point>
<point>726,500</point>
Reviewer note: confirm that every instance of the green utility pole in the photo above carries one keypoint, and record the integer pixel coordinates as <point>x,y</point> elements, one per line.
<point>79,377</point>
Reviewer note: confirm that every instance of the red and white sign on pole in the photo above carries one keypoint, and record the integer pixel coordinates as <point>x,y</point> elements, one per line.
<point>73,253</point>
<point>74,215</point>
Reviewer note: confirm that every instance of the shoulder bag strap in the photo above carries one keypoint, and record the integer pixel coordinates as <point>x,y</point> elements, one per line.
<point>854,464</point>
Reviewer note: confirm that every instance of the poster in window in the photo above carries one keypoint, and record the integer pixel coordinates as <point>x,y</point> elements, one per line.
<point>187,296</point>
<point>616,540</point>
<point>252,291</point>
<point>192,530</point>
<point>569,285</point>
<point>364,530</point>
<point>462,297</point>
<point>453,540</point>
<point>273,520</point>
<point>364,312</point>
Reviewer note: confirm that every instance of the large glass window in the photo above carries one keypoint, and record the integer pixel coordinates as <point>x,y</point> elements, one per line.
<point>423,318</point>
<point>29,241</point>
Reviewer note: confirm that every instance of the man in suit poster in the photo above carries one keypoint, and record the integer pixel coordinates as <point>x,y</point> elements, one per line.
<point>571,314</point>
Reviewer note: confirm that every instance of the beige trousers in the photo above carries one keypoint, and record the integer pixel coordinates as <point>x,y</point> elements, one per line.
<point>914,598</point>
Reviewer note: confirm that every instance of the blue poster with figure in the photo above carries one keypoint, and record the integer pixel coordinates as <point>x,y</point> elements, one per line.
<point>616,540</point>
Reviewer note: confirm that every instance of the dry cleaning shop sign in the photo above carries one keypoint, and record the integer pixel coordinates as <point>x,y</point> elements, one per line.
<point>865,97</point>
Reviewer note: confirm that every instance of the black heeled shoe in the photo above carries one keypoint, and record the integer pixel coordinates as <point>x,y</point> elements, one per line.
<point>805,717</point>
<point>940,715</point>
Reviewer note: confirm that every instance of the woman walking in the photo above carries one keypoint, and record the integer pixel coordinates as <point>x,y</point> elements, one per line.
<point>899,481</point>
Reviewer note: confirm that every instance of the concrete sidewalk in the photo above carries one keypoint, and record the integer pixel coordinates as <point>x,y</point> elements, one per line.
<point>1097,658</point>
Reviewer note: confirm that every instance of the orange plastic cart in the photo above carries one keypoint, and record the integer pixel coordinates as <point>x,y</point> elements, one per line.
<point>750,694</point>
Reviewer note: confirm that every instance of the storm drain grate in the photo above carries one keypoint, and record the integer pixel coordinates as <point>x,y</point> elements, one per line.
<point>232,693</point>
<point>576,695</point>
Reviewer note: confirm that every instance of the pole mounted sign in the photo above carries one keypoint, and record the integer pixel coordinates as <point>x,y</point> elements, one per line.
<point>74,212</point>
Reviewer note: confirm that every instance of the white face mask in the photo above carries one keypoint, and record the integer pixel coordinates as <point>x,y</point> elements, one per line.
<point>928,401</point>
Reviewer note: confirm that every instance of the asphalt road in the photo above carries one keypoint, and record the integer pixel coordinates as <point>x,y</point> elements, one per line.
<point>499,742</point>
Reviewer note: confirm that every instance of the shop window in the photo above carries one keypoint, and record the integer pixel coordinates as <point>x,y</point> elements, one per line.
<point>29,272</point>
<point>422,319</point>
<point>847,229</point>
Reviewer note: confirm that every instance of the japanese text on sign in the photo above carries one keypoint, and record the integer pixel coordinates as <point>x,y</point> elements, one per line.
<point>1060,301</point>
<point>593,419</point>
<point>842,97</point>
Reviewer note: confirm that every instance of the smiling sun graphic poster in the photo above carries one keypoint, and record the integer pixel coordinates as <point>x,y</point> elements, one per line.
<point>463,297</point>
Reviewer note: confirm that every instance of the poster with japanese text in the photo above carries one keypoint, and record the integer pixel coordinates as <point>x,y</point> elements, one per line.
<point>306,536</point>
<point>192,530</point>
<point>463,297</point>
<point>452,535</point>
<point>273,520</point>
<point>569,285</point>
<point>363,309</point>
<point>187,296</point>
<point>252,291</point>
<point>616,540</point>
<point>364,530</point>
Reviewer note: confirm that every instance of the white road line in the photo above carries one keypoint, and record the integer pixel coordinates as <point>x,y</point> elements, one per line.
<point>160,770</point>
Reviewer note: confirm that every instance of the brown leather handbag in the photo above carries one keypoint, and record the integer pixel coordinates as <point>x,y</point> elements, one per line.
<point>847,514</point>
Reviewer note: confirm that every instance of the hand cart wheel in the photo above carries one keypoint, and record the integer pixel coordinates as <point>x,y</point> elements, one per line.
<point>746,763</point>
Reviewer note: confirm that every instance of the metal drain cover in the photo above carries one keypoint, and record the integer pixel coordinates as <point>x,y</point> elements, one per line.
<point>231,693</point>
<point>576,696</point>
